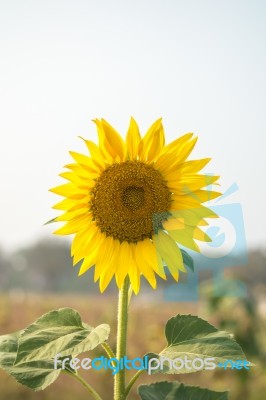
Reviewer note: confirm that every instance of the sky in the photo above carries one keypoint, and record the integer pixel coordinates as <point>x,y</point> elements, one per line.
<point>198,64</point>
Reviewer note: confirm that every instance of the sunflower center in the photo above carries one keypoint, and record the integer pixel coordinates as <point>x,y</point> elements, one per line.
<point>133,197</point>
<point>130,200</point>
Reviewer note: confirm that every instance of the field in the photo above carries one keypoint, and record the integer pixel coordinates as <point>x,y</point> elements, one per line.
<point>146,326</point>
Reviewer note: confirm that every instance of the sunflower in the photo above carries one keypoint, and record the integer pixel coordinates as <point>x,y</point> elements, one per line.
<point>131,203</point>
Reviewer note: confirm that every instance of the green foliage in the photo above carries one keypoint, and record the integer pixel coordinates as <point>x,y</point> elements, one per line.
<point>36,375</point>
<point>60,331</point>
<point>28,355</point>
<point>178,391</point>
<point>8,349</point>
<point>190,336</point>
<point>50,221</point>
<point>187,260</point>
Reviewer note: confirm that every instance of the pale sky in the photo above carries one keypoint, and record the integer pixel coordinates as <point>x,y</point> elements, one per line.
<point>199,64</point>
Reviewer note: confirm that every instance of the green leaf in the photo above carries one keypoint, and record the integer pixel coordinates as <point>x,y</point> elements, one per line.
<point>28,355</point>
<point>58,332</point>
<point>50,221</point>
<point>193,338</point>
<point>187,260</point>
<point>8,349</point>
<point>35,375</point>
<point>178,391</point>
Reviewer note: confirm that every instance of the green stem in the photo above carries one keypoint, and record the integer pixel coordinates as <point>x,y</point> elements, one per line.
<point>90,389</point>
<point>132,381</point>
<point>121,342</point>
<point>130,291</point>
<point>108,350</point>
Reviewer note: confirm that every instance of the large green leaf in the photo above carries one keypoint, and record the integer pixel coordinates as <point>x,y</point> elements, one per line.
<point>35,375</point>
<point>28,355</point>
<point>178,391</point>
<point>191,337</point>
<point>58,332</point>
<point>8,349</point>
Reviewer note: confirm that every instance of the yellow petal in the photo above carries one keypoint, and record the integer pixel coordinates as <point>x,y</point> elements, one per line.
<point>187,167</point>
<point>88,262</point>
<point>170,252</point>
<point>106,277</point>
<point>91,255</point>
<point>68,190</point>
<point>80,205</point>
<point>165,163</point>
<point>112,141</point>
<point>83,171</point>
<point>124,260</point>
<point>174,223</point>
<point>176,155</point>
<point>82,184</point>
<point>152,258</point>
<point>82,236</point>
<point>134,276</point>
<point>186,150</point>
<point>133,139</point>
<point>107,274</point>
<point>185,238</point>
<point>74,225</point>
<point>192,216</point>
<point>85,241</point>
<point>153,142</point>
<point>66,204</point>
<point>205,195</point>
<point>84,160</point>
<point>177,144</point>
<point>144,267</point>
<point>190,183</point>
<point>192,200</point>
<point>104,145</point>
<point>70,215</point>
<point>105,257</point>
<point>95,153</point>
<point>198,234</point>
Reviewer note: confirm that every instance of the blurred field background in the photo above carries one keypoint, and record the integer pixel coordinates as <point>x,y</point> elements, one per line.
<point>198,64</point>
<point>39,278</point>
